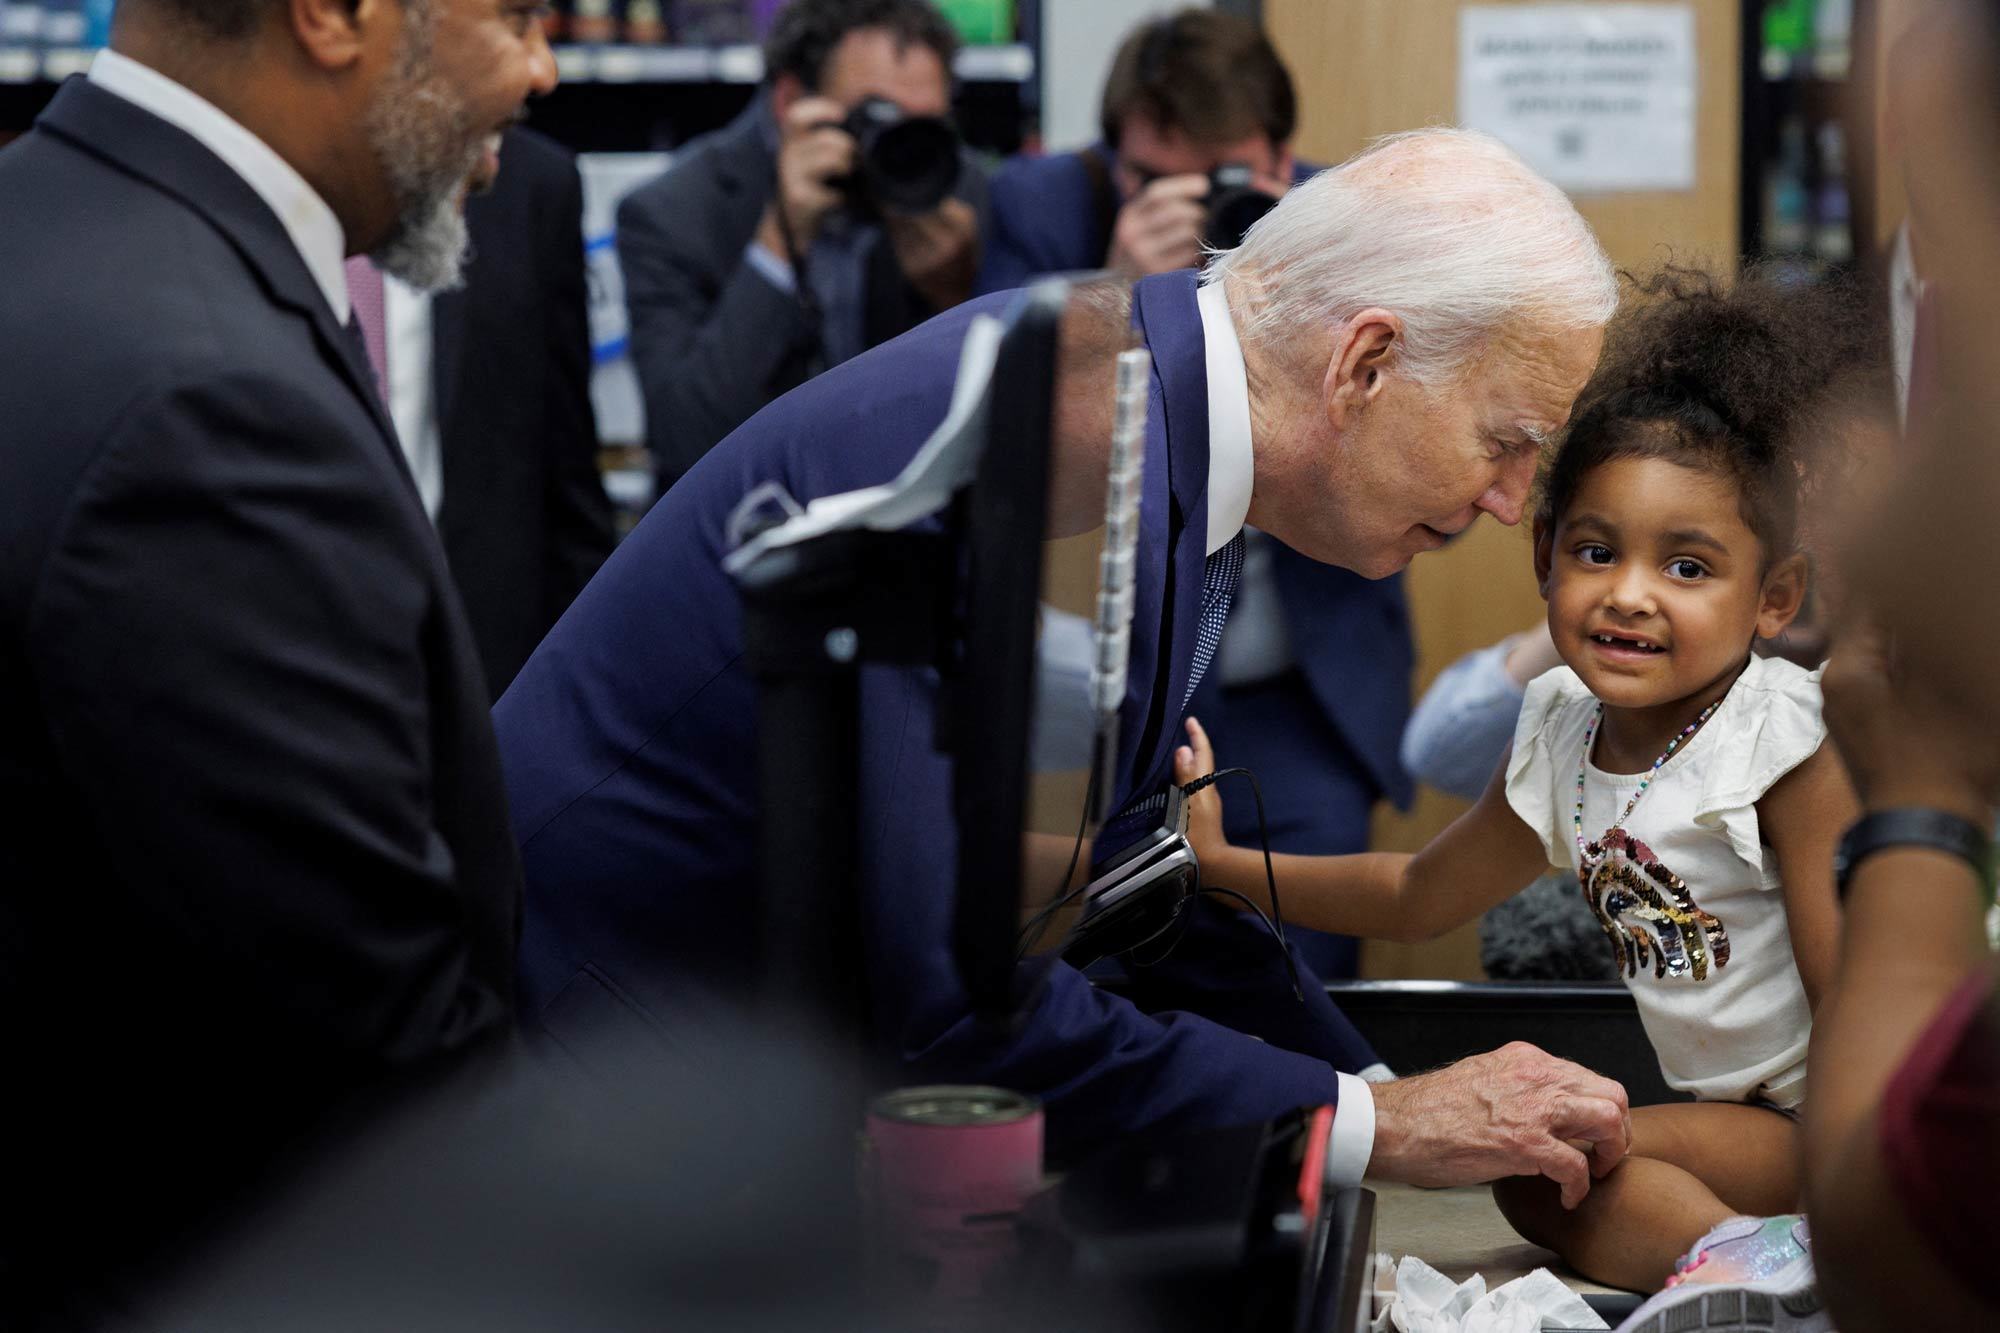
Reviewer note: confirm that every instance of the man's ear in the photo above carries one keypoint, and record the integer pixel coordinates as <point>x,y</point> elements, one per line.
<point>1364,348</point>
<point>334,34</point>
<point>1545,554</point>
<point>786,89</point>
<point>1285,167</point>
<point>1783,594</point>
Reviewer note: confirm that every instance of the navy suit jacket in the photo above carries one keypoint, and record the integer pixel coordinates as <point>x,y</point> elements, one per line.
<point>257,869</point>
<point>1350,636</point>
<point>629,748</point>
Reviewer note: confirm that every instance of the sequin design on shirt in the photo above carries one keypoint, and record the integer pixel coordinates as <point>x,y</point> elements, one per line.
<point>1647,911</point>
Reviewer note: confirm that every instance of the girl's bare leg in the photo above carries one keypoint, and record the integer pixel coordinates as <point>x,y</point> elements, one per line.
<point>1691,1166</point>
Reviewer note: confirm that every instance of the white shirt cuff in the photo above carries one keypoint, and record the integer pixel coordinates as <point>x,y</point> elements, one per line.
<point>1352,1142</point>
<point>771,268</point>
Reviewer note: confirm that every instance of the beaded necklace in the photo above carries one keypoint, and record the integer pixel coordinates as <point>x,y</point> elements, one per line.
<point>1589,735</point>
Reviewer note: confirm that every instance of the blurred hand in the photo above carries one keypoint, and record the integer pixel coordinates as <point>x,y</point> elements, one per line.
<point>1194,760</point>
<point>938,251</point>
<point>1159,229</point>
<point>1902,743</point>
<point>813,152</point>
<point>1531,653</point>
<point>1517,1111</point>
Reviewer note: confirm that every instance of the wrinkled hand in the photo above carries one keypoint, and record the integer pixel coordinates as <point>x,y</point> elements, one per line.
<point>1901,744</point>
<point>938,251</point>
<point>813,153</point>
<point>1159,228</point>
<point>1193,760</point>
<point>1517,1111</point>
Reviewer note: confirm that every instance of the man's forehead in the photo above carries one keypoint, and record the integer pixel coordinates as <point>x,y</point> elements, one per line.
<point>876,62</point>
<point>1539,372</point>
<point>1159,150</point>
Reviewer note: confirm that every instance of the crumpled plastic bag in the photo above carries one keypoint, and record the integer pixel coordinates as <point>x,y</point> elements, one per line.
<point>1426,1301</point>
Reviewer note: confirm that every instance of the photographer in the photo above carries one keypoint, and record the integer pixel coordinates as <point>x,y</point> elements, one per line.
<point>1197,118</point>
<point>776,246</point>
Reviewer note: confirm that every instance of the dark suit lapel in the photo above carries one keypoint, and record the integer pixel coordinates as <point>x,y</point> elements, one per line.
<point>744,157</point>
<point>1168,609</point>
<point>142,145</point>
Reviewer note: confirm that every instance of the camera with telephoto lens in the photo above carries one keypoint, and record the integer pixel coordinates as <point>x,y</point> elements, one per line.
<point>1234,203</point>
<point>903,163</point>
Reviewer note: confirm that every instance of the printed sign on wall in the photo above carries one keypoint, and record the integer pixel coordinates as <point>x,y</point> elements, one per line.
<point>1598,98</point>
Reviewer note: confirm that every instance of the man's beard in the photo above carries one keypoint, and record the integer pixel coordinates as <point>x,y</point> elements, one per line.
<point>421,134</point>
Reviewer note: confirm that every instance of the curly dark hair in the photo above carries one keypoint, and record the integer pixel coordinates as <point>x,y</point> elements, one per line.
<point>806,32</point>
<point>1726,379</point>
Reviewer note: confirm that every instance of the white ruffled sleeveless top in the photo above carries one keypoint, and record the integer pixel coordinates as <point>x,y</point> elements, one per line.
<point>1689,901</point>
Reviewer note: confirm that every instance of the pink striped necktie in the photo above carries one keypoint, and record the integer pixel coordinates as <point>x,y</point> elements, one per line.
<point>364,290</point>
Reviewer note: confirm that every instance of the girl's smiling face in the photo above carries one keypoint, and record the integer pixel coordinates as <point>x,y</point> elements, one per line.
<point>1656,585</point>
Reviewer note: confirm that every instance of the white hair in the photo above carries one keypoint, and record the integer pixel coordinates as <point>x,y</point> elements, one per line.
<point>1445,228</point>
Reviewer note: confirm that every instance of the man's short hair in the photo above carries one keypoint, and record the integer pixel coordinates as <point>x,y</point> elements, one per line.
<point>1447,229</point>
<point>230,20</point>
<point>1213,77</point>
<point>805,34</point>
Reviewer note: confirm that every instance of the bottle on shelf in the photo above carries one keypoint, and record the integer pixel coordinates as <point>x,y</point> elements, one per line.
<point>1833,28</point>
<point>713,22</point>
<point>645,23</point>
<point>1833,223</point>
<point>593,21</point>
<point>1787,225</point>
<point>1788,37</point>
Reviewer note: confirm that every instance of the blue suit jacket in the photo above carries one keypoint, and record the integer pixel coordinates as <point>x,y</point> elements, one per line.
<point>628,743</point>
<point>1350,636</point>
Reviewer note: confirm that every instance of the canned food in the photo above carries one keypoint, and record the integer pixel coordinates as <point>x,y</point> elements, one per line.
<point>946,1172</point>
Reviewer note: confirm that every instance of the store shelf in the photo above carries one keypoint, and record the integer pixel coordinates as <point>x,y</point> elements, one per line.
<point>48,64</point>
<point>20,64</point>
<point>745,64</point>
<point>591,64</point>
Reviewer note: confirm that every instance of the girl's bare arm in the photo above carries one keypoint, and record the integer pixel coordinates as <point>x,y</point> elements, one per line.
<point>1802,817</point>
<point>1484,857</point>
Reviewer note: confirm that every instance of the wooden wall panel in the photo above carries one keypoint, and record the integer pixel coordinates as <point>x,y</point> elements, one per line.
<point>1370,67</point>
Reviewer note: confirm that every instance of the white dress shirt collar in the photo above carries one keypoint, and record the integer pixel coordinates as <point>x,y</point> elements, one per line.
<point>1231,465</point>
<point>306,217</point>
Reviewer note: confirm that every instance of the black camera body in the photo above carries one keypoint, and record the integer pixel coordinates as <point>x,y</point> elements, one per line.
<point>903,163</point>
<point>1234,204</point>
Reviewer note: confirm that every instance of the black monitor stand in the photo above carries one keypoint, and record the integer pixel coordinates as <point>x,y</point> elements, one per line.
<point>823,597</point>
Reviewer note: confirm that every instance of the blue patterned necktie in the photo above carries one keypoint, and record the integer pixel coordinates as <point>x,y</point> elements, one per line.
<point>1219,574</point>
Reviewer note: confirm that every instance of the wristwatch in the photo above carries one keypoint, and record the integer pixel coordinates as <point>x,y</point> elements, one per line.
<point>1914,826</point>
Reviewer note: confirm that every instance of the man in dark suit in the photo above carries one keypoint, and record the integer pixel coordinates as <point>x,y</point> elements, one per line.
<point>749,266</point>
<point>630,735</point>
<point>489,387</point>
<point>259,878</point>
<point>1312,683</point>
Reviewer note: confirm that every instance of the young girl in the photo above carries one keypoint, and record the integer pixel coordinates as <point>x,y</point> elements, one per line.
<point>1685,780</point>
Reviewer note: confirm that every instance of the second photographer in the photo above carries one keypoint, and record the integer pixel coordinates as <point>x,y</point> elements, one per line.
<point>835,212</point>
<point>1197,118</point>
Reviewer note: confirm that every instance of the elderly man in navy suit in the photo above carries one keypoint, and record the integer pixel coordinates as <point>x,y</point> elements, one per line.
<point>1311,686</point>
<point>1362,402</point>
